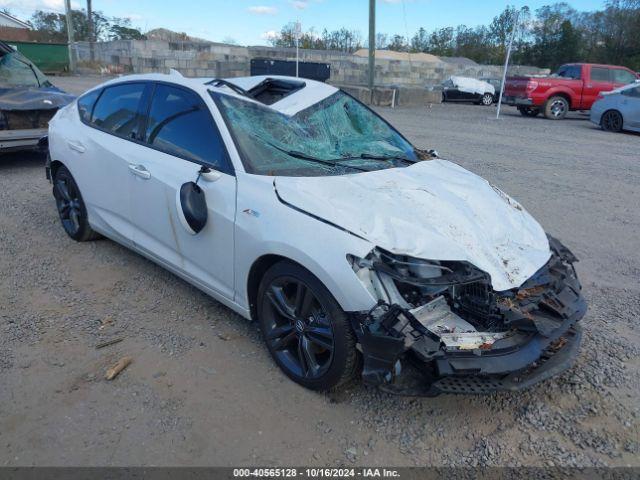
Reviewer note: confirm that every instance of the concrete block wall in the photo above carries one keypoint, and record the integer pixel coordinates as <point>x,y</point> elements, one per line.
<point>195,59</point>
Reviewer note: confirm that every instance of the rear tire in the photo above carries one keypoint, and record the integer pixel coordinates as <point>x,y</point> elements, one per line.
<point>529,111</point>
<point>556,108</point>
<point>487,100</point>
<point>612,121</point>
<point>307,333</point>
<point>71,207</point>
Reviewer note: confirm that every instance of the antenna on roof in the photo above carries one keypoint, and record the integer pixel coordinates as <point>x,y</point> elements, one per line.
<point>175,72</point>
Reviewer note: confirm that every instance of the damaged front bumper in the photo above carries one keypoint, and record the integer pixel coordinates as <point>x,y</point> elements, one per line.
<point>470,339</point>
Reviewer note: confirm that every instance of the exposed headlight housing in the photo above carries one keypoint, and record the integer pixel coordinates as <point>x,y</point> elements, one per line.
<point>407,281</point>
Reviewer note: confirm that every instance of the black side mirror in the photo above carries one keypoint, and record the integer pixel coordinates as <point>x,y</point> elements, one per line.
<point>192,208</point>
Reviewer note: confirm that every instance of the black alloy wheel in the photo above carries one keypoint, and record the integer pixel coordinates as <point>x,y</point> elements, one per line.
<point>306,332</point>
<point>612,121</point>
<point>71,208</point>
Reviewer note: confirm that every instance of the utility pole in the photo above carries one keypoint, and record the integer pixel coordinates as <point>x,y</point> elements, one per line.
<point>92,54</point>
<point>298,31</point>
<point>506,62</point>
<point>372,45</point>
<point>72,59</point>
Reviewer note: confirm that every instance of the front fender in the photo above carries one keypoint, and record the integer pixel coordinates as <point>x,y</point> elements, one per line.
<point>265,226</point>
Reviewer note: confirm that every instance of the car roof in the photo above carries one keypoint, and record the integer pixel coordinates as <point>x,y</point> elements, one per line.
<point>311,92</point>
<point>595,65</point>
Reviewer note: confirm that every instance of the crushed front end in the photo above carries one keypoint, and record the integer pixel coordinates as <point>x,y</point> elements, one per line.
<point>439,327</point>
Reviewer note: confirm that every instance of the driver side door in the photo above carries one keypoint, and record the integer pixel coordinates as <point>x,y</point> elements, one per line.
<point>180,137</point>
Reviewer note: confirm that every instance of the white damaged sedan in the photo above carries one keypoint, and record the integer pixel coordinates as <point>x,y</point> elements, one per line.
<point>300,208</point>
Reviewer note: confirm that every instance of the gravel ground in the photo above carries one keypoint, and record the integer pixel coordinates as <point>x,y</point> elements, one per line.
<point>202,389</point>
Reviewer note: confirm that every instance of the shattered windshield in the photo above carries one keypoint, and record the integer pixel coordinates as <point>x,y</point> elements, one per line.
<point>17,71</point>
<point>335,136</point>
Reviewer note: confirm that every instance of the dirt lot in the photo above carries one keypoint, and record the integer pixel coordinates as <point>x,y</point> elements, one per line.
<point>202,389</point>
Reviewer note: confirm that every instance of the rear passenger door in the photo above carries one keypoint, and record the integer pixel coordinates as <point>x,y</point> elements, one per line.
<point>180,137</point>
<point>99,153</point>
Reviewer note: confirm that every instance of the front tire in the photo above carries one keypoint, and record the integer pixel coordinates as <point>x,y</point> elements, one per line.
<point>307,333</point>
<point>556,108</point>
<point>71,207</point>
<point>612,121</point>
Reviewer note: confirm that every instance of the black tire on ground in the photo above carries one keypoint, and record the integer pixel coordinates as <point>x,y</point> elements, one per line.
<point>444,97</point>
<point>307,333</point>
<point>529,111</point>
<point>556,108</point>
<point>71,207</point>
<point>487,99</point>
<point>612,121</point>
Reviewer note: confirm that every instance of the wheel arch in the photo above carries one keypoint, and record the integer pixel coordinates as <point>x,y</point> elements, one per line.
<point>256,272</point>
<point>609,110</point>
<point>342,283</point>
<point>54,166</point>
<point>560,93</point>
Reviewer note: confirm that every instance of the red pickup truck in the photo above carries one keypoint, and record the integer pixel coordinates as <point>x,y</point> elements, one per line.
<point>574,86</point>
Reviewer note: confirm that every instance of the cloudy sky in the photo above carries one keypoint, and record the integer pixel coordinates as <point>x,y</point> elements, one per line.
<point>251,22</point>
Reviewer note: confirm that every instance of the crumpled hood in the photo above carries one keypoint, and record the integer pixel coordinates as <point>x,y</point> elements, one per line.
<point>433,210</point>
<point>27,98</point>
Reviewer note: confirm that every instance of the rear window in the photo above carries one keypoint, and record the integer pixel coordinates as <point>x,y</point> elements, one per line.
<point>86,103</point>
<point>117,110</point>
<point>570,71</point>
<point>600,74</point>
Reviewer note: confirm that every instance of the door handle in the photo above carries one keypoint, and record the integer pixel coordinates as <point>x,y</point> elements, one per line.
<point>78,147</point>
<point>140,171</point>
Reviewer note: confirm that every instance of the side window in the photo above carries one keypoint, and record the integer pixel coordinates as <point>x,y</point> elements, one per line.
<point>632,92</point>
<point>622,76</point>
<point>180,124</point>
<point>600,74</point>
<point>117,110</point>
<point>85,104</point>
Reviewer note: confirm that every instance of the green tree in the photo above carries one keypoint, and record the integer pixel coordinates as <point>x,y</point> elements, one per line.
<point>398,44</point>
<point>54,26</point>
<point>420,41</point>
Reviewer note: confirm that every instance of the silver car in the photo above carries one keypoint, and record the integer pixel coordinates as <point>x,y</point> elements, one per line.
<point>618,110</point>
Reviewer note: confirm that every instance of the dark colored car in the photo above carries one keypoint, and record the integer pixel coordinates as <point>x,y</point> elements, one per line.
<point>27,101</point>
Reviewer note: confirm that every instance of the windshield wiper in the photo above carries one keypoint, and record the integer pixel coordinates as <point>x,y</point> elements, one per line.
<point>310,158</point>
<point>371,156</point>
